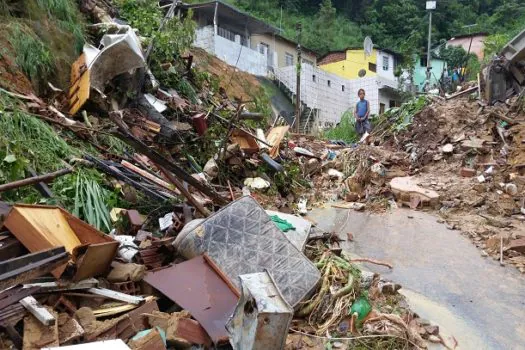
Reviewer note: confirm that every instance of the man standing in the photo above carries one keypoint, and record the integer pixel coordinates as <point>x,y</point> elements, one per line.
<point>361,113</point>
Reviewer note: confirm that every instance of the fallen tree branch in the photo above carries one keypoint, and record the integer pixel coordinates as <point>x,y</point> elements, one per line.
<point>34,180</point>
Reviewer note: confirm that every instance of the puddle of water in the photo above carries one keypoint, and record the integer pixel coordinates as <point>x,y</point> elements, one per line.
<point>449,323</point>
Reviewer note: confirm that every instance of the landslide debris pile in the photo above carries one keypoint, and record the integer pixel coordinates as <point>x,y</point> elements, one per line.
<point>124,208</point>
<point>459,157</point>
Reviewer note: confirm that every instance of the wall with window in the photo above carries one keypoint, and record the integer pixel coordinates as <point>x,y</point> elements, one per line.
<point>279,49</point>
<point>386,65</point>
<point>330,94</point>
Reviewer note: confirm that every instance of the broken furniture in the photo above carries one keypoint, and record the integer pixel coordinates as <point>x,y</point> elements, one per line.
<point>262,316</point>
<point>40,228</point>
<point>241,239</point>
<point>197,287</point>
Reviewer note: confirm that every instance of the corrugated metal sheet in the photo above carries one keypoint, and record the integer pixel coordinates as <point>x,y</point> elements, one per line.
<point>196,287</point>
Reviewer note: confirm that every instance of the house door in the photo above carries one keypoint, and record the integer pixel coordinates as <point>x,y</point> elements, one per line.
<point>381,108</point>
<point>265,49</point>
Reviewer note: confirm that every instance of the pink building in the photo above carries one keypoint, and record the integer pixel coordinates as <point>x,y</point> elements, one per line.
<point>465,40</point>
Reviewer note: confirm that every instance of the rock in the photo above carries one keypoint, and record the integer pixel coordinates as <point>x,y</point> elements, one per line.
<point>448,148</point>
<point>335,175</point>
<point>467,172</point>
<point>256,183</point>
<point>350,236</point>
<point>126,272</point>
<point>434,339</point>
<point>389,288</point>
<point>408,191</point>
<point>511,189</point>
<point>434,330</point>
<point>366,279</point>
<point>517,245</point>
<point>484,254</point>
<point>312,165</point>
<point>352,197</point>
<point>422,322</point>
<point>211,168</point>
<point>481,179</point>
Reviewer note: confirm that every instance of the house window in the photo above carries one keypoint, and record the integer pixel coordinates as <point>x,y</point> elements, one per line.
<point>264,48</point>
<point>392,103</point>
<point>288,59</point>
<point>386,63</point>
<point>342,88</point>
<point>313,78</point>
<point>329,83</point>
<point>372,67</point>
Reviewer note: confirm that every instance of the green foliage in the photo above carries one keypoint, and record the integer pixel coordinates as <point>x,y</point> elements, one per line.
<point>175,37</point>
<point>32,55</point>
<point>89,202</point>
<point>344,131</point>
<point>455,56</point>
<point>399,118</point>
<point>494,44</point>
<point>400,25</point>
<point>27,141</point>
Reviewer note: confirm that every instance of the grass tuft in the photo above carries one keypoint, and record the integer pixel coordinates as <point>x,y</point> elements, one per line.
<point>32,55</point>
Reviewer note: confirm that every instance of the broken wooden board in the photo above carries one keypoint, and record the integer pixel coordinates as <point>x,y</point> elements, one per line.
<point>39,311</point>
<point>274,138</point>
<point>408,192</point>
<point>245,141</point>
<point>80,84</point>
<point>37,336</point>
<point>41,227</point>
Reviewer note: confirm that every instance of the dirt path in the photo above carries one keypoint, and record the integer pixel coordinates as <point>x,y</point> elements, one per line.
<point>481,303</point>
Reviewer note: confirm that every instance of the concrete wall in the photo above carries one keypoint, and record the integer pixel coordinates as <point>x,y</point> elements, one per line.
<point>478,44</point>
<point>331,101</point>
<point>233,53</point>
<point>205,39</point>
<point>280,47</point>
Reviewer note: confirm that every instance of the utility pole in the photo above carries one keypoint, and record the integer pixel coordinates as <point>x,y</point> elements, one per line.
<point>431,5</point>
<point>298,86</point>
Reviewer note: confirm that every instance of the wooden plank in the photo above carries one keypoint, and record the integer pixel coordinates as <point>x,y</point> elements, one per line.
<point>37,310</point>
<point>111,294</point>
<point>461,93</point>
<point>96,260</point>
<point>47,287</point>
<point>149,176</point>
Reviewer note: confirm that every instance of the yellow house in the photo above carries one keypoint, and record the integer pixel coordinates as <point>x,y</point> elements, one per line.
<point>350,62</point>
